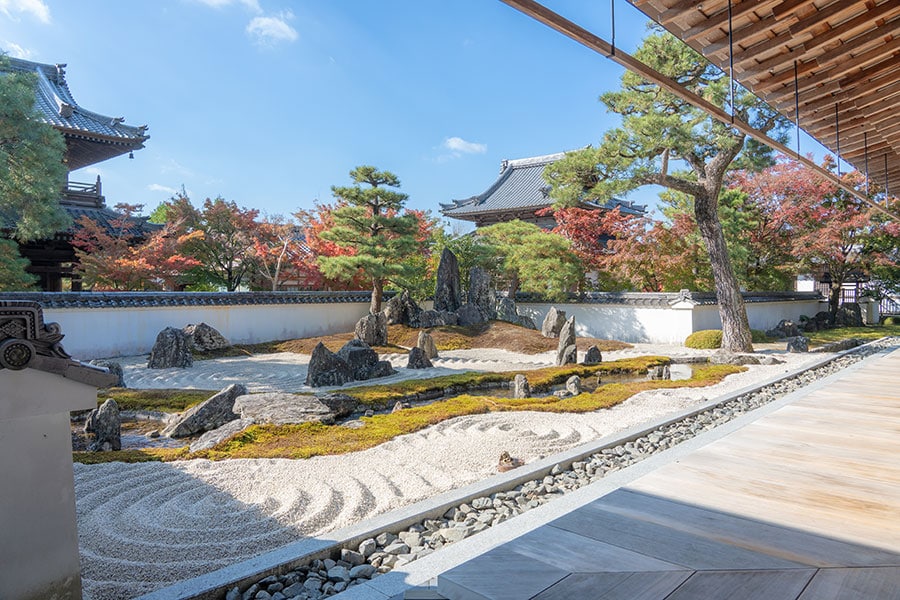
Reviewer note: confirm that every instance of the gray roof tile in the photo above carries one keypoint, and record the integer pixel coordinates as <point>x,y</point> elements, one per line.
<point>520,186</point>
<point>55,103</point>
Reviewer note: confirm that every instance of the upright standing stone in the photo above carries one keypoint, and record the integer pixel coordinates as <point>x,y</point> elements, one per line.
<point>553,322</point>
<point>573,385</point>
<point>426,343</point>
<point>114,368</point>
<point>480,292</point>
<point>372,329</point>
<point>172,349</point>
<point>447,291</point>
<point>363,361</point>
<point>402,310</point>
<point>506,310</point>
<point>521,389</point>
<point>105,427</point>
<point>566,353</point>
<point>469,314</point>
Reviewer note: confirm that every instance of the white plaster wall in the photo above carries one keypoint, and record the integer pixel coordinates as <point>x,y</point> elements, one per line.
<point>38,533</point>
<point>623,322</point>
<point>762,315</point>
<point>109,332</point>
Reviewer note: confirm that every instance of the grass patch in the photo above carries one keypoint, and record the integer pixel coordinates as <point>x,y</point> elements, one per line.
<point>172,401</point>
<point>313,439</point>
<point>379,396</point>
<point>869,332</point>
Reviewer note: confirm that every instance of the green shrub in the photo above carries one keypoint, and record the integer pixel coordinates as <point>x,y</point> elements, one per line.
<point>707,339</point>
<point>759,336</point>
<point>891,321</point>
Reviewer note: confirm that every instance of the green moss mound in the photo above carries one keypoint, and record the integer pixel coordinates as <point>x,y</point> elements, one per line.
<point>891,321</point>
<point>707,339</point>
<point>759,336</point>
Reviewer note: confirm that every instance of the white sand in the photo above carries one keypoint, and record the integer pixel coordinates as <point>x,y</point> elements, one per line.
<point>143,526</point>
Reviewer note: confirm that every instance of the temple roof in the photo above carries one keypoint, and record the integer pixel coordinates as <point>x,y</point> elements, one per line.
<point>107,218</point>
<point>90,137</point>
<point>521,186</point>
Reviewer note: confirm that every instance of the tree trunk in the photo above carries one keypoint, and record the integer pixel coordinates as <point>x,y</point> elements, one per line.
<point>513,288</point>
<point>736,335</point>
<point>834,298</point>
<point>377,293</point>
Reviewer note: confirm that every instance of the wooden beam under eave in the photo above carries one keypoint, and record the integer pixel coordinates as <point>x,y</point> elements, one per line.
<point>782,15</point>
<point>760,9</point>
<point>562,25</point>
<point>861,96</point>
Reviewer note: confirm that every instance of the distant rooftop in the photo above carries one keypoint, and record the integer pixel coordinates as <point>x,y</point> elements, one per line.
<point>520,189</point>
<point>90,137</point>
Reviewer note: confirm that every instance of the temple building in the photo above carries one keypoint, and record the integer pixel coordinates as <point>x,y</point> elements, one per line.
<point>519,193</point>
<point>91,138</point>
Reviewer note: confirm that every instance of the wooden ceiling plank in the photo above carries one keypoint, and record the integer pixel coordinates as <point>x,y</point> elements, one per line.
<point>854,26</point>
<point>761,27</point>
<point>873,89</point>
<point>720,19</point>
<point>678,10</point>
<point>857,44</point>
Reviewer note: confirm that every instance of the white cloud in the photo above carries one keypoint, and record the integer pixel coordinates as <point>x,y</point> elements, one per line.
<point>155,187</point>
<point>15,50</point>
<point>36,8</point>
<point>268,31</point>
<point>459,146</point>
<point>251,4</point>
<point>95,171</point>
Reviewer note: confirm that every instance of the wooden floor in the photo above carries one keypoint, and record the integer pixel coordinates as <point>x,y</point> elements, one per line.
<point>803,503</point>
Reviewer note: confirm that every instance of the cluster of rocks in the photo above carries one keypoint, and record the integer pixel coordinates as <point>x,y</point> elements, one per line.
<point>450,307</point>
<point>355,361</point>
<point>391,549</point>
<point>173,347</point>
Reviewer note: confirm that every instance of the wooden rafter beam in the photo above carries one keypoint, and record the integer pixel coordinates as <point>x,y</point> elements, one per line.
<point>581,35</point>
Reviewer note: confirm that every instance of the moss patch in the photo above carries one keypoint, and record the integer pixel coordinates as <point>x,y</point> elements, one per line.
<point>314,439</point>
<point>873,332</point>
<point>173,401</point>
<point>706,339</point>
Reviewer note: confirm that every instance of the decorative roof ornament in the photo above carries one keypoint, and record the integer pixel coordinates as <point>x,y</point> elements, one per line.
<point>24,335</point>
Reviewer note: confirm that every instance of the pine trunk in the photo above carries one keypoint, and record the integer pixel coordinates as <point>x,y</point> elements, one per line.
<point>377,293</point>
<point>736,335</point>
<point>834,298</point>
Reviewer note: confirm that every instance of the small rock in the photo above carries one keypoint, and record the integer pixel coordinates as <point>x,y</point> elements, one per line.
<point>338,573</point>
<point>418,359</point>
<point>204,338</point>
<point>426,343</point>
<point>521,389</point>
<point>352,558</point>
<point>506,463</point>
<point>593,356</point>
<point>104,426</point>
<point>372,329</point>
<point>172,349</point>
<point>573,385</point>
<point>362,572</point>
<point>798,344</point>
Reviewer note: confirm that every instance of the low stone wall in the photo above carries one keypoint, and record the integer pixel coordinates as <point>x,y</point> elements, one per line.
<point>100,325</point>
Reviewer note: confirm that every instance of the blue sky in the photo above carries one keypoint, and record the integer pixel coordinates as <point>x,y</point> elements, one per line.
<point>271,102</point>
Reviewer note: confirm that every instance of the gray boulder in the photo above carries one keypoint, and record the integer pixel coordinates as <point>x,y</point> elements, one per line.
<point>784,329</point>
<point>566,352</point>
<point>662,372</point>
<point>208,415</point>
<point>426,343</point>
<point>279,408</point>
<point>402,310</point>
<point>729,358</point>
<point>526,322</point>
<point>372,329</point>
<point>327,368</point>
<point>480,292</point>
<point>553,322</point>
<point>204,337</point>
<point>521,389</point>
<point>418,360</point>
<point>593,356</point>
<point>447,289</point>
<point>361,359</point>
<point>849,314</point>
<point>573,385</point>
<point>469,314</point>
<point>436,318</point>
<point>114,368</point>
<point>219,435</point>
<point>342,405</point>
<point>798,344</point>
<point>104,427</point>
<point>172,349</point>
<point>506,311</point>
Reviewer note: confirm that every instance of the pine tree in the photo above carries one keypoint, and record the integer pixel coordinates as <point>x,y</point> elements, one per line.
<point>367,222</point>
